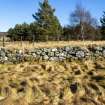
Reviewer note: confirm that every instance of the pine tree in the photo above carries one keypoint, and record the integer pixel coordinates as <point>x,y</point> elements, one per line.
<point>20,32</point>
<point>48,26</point>
<point>102,20</point>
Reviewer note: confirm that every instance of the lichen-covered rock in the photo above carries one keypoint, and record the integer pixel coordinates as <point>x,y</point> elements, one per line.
<point>54,49</point>
<point>80,54</point>
<point>45,57</point>
<point>53,59</point>
<point>51,54</point>
<point>103,53</point>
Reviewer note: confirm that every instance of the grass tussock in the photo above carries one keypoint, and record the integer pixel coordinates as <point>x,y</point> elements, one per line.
<point>53,83</point>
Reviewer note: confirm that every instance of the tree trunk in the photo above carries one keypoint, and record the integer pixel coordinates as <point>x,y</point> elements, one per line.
<point>21,40</point>
<point>3,41</point>
<point>33,39</point>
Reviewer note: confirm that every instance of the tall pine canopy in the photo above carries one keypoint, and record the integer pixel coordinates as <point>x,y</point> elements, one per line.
<point>48,26</point>
<point>102,20</point>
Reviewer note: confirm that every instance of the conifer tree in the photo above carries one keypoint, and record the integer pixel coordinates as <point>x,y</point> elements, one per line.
<point>102,20</point>
<point>48,26</point>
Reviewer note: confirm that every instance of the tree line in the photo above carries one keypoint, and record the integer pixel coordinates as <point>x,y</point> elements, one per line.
<point>47,27</point>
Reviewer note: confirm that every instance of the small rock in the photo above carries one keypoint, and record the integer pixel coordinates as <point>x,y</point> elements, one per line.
<point>80,54</point>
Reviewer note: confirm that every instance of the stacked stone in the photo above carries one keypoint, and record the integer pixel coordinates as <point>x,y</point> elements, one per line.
<point>50,54</point>
<point>97,51</point>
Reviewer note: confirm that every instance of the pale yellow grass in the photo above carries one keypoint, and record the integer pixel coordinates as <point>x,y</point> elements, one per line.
<point>50,44</point>
<point>52,83</point>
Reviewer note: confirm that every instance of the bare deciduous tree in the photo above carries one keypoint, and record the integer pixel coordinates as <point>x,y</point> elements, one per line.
<point>82,19</point>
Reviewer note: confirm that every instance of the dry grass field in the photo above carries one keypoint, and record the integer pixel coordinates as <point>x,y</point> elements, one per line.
<point>53,83</point>
<point>27,45</point>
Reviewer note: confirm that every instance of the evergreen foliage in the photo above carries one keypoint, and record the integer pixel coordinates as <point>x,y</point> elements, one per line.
<point>102,20</point>
<point>20,32</point>
<point>48,26</point>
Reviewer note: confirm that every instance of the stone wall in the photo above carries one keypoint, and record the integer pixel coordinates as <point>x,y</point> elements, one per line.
<point>51,54</point>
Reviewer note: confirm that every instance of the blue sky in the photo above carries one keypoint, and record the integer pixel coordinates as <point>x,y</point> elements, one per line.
<point>19,11</point>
